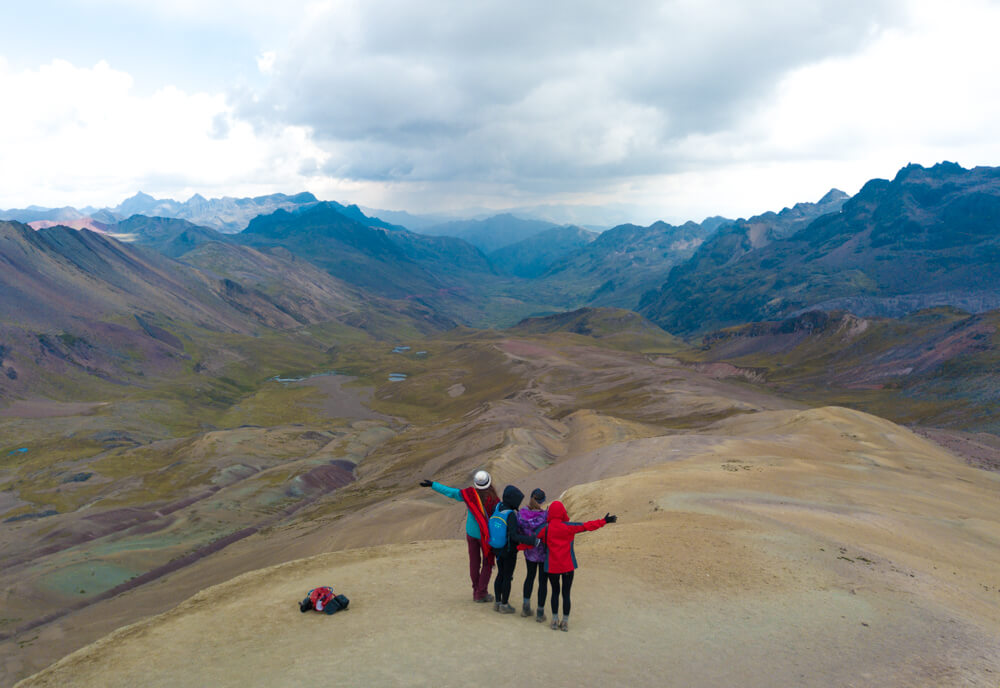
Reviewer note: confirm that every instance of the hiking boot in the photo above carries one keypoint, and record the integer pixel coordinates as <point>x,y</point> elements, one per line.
<point>540,615</point>
<point>564,626</point>
<point>555,624</point>
<point>496,606</point>
<point>506,609</point>
<point>526,609</point>
<point>485,598</point>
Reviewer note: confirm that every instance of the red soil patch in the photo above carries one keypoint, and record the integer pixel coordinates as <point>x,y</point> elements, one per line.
<point>519,348</point>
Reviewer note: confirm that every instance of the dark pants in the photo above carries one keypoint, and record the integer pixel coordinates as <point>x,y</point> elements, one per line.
<point>529,581</point>
<point>565,581</point>
<point>505,574</point>
<point>480,568</point>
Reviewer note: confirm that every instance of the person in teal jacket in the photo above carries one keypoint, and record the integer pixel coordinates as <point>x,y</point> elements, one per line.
<point>480,499</point>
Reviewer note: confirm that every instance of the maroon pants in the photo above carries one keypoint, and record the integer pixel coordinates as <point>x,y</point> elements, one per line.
<point>480,568</point>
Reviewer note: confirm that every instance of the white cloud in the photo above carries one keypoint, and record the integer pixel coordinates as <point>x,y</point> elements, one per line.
<point>266,60</point>
<point>922,92</point>
<point>550,96</point>
<point>79,135</point>
<point>930,88</point>
<point>259,17</point>
<point>680,109</point>
<point>684,108</point>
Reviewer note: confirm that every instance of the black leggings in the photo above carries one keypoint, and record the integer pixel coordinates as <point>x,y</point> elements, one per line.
<point>567,584</point>
<point>505,574</point>
<point>529,581</point>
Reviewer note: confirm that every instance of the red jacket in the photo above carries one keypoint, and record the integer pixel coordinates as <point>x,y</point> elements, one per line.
<point>558,536</point>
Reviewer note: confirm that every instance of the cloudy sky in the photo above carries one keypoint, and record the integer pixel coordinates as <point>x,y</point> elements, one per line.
<point>645,110</point>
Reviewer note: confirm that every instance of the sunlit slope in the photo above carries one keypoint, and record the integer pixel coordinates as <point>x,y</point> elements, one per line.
<point>814,548</point>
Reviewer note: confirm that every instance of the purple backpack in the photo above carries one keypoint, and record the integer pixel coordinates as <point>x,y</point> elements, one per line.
<point>529,522</point>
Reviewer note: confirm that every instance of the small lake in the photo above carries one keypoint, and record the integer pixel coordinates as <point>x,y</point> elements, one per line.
<point>397,377</point>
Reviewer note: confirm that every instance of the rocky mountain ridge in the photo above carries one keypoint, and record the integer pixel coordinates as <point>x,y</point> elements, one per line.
<point>929,236</point>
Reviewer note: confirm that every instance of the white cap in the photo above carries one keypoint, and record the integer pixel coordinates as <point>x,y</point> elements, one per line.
<point>482,480</point>
<point>319,606</point>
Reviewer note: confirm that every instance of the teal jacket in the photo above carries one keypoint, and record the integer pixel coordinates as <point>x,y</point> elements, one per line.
<point>471,527</point>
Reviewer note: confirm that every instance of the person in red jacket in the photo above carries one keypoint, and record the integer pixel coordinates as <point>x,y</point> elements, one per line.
<point>557,535</point>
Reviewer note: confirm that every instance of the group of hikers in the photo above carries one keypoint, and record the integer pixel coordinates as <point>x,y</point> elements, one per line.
<point>496,529</point>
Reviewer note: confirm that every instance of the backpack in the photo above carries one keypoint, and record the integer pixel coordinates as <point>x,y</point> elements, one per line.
<point>498,527</point>
<point>323,599</point>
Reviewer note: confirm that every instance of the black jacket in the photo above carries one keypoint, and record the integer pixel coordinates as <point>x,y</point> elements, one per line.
<point>512,498</point>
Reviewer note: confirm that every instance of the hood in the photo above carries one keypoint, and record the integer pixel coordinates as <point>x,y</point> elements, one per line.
<point>512,497</point>
<point>557,512</point>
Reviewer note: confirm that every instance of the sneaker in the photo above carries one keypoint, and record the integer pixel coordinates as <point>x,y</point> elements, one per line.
<point>526,609</point>
<point>540,615</point>
<point>506,609</point>
<point>555,624</point>
<point>564,626</point>
<point>496,606</point>
<point>485,598</point>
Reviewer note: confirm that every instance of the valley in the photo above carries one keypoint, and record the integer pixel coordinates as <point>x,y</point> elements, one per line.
<point>795,417</point>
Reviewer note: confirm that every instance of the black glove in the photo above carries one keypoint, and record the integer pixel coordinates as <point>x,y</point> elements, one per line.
<point>609,518</point>
<point>425,483</point>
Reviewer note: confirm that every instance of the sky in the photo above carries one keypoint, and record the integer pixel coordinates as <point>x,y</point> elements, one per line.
<point>640,111</point>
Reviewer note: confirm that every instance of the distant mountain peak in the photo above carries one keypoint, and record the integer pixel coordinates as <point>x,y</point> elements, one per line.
<point>941,169</point>
<point>833,195</point>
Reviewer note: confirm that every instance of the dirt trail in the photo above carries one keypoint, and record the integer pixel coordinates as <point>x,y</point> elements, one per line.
<point>806,548</point>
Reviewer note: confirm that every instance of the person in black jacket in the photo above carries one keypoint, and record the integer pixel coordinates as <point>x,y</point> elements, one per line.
<point>506,556</point>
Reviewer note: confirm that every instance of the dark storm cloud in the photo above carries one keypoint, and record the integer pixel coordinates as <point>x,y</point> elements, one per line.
<point>533,93</point>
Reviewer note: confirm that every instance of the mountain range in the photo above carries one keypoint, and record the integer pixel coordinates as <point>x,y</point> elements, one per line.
<point>83,307</point>
<point>225,214</point>
<point>108,303</point>
<point>926,238</point>
<point>621,263</point>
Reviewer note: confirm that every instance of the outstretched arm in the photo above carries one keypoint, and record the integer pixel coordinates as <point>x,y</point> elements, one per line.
<point>592,525</point>
<point>450,492</point>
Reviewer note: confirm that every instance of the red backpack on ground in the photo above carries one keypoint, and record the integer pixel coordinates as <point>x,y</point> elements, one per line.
<point>323,599</point>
